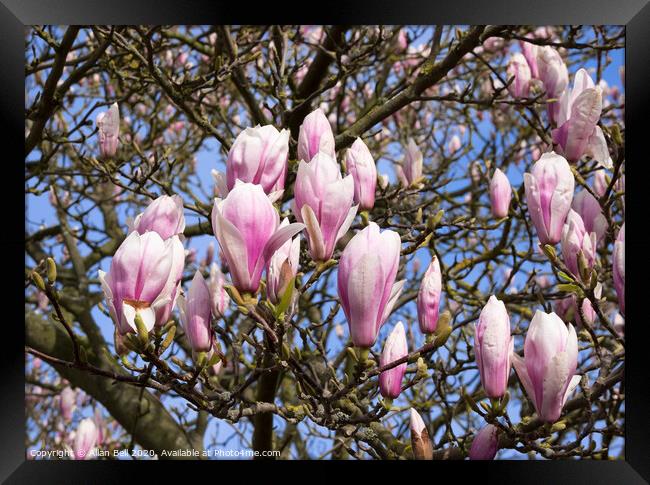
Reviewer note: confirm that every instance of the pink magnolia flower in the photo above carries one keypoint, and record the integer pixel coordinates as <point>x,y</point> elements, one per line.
<point>575,239</point>
<point>553,73</point>
<point>428,300</point>
<point>411,169</point>
<point>390,381</point>
<point>529,51</point>
<point>578,132</point>
<point>247,227</point>
<point>549,192</point>
<point>164,216</point>
<point>85,439</point>
<point>323,202</point>
<point>366,282</point>
<point>195,312</point>
<point>67,403</point>
<point>361,166</point>
<point>143,279</point>
<point>493,346</point>
<point>315,136</point>
<point>259,156</point>
<point>567,310</point>
<point>588,312</point>
<point>485,444</point>
<point>219,299</point>
<point>618,267</point>
<point>549,364</point>
<point>600,182</point>
<point>283,267</point>
<point>500,194</point>
<point>492,44</point>
<point>519,70</point>
<point>591,213</point>
<point>108,126</point>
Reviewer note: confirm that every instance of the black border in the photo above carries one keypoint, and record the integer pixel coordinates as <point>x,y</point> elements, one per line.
<point>15,14</point>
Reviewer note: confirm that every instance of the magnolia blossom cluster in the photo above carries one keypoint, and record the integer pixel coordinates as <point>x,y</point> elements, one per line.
<point>575,111</point>
<point>143,285</point>
<point>575,221</point>
<point>145,272</point>
<point>547,370</point>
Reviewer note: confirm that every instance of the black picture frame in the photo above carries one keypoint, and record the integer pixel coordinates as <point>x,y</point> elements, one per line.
<point>16,14</point>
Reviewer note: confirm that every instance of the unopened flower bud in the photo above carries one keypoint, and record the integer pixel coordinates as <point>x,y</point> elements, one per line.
<point>422,448</point>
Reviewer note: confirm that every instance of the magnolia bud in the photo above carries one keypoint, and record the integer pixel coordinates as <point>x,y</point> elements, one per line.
<point>38,281</point>
<point>485,444</point>
<point>422,448</point>
<point>51,270</point>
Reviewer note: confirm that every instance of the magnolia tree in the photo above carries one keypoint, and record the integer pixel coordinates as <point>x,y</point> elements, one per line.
<point>392,242</point>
